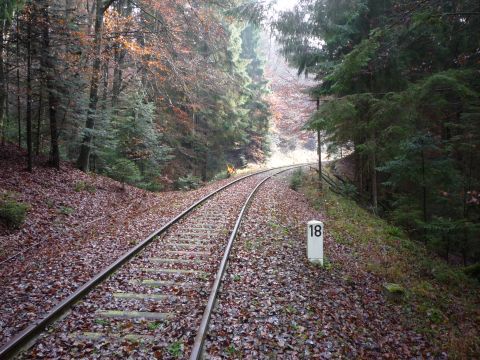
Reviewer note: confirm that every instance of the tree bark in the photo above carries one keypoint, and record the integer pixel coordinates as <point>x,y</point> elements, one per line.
<point>424,190</point>
<point>204,168</point>
<point>84,157</point>
<point>374,183</point>
<point>48,68</point>
<point>18,84</point>
<point>3,92</point>
<point>69,10</point>
<point>29,96</point>
<point>105,89</point>
<point>319,150</point>
<point>39,120</point>
<point>359,170</point>
<point>119,59</point>
<point>6,113</point>
<point>424,197</point>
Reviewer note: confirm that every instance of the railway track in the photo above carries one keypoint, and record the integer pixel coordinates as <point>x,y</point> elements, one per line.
<point>156,300</point>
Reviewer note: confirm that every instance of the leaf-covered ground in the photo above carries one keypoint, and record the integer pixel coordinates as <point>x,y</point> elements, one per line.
<point>275,304</point>
<point>439,299</point>
<point>77,224</point>
<point>201,238</point>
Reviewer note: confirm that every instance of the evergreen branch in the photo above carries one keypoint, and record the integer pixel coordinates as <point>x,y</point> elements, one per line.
<point>462,13</point>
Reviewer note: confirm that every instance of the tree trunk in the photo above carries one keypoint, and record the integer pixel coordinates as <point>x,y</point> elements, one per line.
<point>424,190</point>
<point>39,120</point>
<point>424,197</point>
<point>447,247</point>
<point>119,59</point>
<point>18,84</point>
<point>6,113</point>
<point>319,150</point>
<point>468,173</point>
<point>3,92</point>
<point>105,89</point>
<point>204,166</point>
<point>360,173</point>
<point>29,96</point>
<point>84,156</point>
<point>48,69</point>
<point>69,10</point>
<point>374,174</point>
<point>374,184</point>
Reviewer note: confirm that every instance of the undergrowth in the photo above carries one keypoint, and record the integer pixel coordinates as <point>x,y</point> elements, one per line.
<point>188,182</point>
<point>12,212</point>
<point>439,299</point>
<point>84,186</point>
<point>296,179</point>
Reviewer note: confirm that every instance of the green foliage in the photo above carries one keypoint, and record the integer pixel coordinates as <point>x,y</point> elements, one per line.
<point>435,315</point>
<point>12,212</point>
<point>154,325</point>
<point>394,288</point>
<point>125,171</point>
<point>394,231</point>
<point>348,189</point>
<point>136,136</point>
<point>221,175</point>
<point>431,291</point>
<point>327,264</point>
<point>130,148</point>
<point>345,77</point>
<point>403,98</point>
<point>296,179</point>
<point>65,210</point>
<point>187,108</point>
<point>154,186</point>
<point>188,182</point>
<point>236,119</point>
<point>102,322</point>
<point>8,8</point>
<point>473,271</point>
<point>176,349</point>
<point>231,350</point>
<point>84,186</point>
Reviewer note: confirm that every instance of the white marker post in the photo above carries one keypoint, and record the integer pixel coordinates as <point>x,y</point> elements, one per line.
<point>315,242</point>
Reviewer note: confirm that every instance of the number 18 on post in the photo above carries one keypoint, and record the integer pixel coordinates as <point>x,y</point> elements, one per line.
<point>315,241</point>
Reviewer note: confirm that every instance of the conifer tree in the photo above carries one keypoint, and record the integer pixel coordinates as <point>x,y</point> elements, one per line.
<point>402,94</point>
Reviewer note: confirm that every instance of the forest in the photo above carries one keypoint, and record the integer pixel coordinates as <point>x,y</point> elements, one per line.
<point>166,94</point>
<point>226,179</point>
<point>399,87</point>
<point>152,93</point>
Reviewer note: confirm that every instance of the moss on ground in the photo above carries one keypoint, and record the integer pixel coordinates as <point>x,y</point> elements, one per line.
<point>12,212</point>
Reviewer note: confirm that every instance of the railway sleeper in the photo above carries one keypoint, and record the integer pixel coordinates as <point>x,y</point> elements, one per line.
<point>120,314</point>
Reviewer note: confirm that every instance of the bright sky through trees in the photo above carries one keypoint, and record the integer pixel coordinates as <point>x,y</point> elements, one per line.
<point>283,5</point>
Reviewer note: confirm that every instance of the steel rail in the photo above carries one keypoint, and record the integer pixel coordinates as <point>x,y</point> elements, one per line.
<point>203,328</point>
<point>22,339</point>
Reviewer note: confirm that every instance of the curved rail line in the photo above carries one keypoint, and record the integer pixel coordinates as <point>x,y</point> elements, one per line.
<point>26,336</point>
<point>203,329</point>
